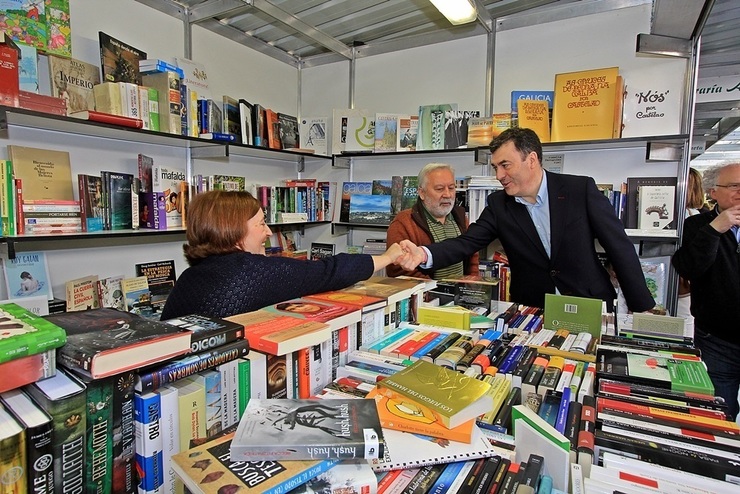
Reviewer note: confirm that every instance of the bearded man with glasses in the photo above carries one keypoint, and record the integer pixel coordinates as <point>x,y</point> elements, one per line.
<point>709,257</point>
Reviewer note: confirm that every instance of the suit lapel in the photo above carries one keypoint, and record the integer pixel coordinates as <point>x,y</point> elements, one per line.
<point>558,197</point>
<point>521,217</point>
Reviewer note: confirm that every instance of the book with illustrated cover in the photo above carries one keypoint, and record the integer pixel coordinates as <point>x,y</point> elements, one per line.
<point>27,275</point>
<point>456,127</point>
<point>136,295</point>
<point>348,190</point>
<point>583,107</point>
<point>119,61</point>
<point>103,342</point>
<point>349,476</point>
<point>22,333</point>
<point>547,96</point>
<point>73,81</point>
<point>90,188</point>
<point>160,276</point>
<point>295,429</point>
<point>334,314</point>
<point>169,181</point>
<point>46,173</point>
<point>386,132</point>
<point>208,469</point>
<point>412,416</point>
<point>195,76</point>
<point>313,134</point>
<point>408,128</point>
<point>431,133</point>
<point>229,182</point>
<point>370,209</point>
<point>28,69</point>
<point>360,134</point>
<point>340,126</point>
<point>118,188</point>
<point>246,128</point>
<point>656,206</point>
<point>82,293</point>
<point>288,131</point>
<point>110,293</point>
<point>321,250</point>
<point>452,397</point>
<point>231,116</point>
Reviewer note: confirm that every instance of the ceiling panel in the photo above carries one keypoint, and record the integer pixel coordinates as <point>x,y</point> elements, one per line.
<point>314,32</point>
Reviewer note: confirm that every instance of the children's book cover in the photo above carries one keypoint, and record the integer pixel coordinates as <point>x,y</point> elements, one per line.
<point>27,275</point>
<point>295,429</point>
<point>169,181</point>
<point>24,21</point>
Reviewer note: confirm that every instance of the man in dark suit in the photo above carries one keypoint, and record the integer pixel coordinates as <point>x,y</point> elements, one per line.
<point>547,224</point>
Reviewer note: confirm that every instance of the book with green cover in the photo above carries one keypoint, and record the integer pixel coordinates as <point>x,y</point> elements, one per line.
<point>23,333</point>
<point>452,397</point>
<point>576,314</point>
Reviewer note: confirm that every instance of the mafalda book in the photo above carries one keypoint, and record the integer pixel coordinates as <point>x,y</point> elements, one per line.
<point>296,429</point>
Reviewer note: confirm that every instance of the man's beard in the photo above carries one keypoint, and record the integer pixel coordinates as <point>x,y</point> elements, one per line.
<point>439,210</point>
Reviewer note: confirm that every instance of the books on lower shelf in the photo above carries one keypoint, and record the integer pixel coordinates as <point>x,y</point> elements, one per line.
<point>295,429</point>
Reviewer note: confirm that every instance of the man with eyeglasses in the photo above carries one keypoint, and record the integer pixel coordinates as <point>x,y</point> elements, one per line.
<point>709,257</point>
<point>547,224</point>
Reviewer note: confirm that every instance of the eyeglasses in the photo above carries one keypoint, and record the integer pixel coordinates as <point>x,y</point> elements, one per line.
<point>731,187</point>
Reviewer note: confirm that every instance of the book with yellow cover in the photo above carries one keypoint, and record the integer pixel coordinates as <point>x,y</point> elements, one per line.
<point>447,317</point>
<point>453,398</point>
<point>535,115</point>
<point>584,105</point>
<point>46,174</point>
<point>402,414</point>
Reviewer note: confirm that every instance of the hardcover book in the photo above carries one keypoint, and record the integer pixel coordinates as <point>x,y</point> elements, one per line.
<point>370,209</point>
<point>29,369</point>
<point>82,293</point>
<point>103,342</point>
<point>63,397</point>
<point>27,275</point>
<point>634,184</point>
<point>348,190</point>
<point>208,332</point>
<point>334,314</point>
<point>73,81</point>
<point>38,424</point>
<point>583,108</point>
<point>46,174</point>
<point>13,459</point>
<point>23,333</point>
<point>274,429</point>
<point>452,397</point>
<point>208,469</point>
<point>119,61</point>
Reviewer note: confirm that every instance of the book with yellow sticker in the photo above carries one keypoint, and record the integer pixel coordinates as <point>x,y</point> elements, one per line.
<point>402,414</point>
<point>584,105</point>
<point>452,397</point>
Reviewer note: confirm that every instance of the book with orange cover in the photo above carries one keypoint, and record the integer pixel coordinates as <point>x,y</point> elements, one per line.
<point>410,416</point>
<point>584,106</point>
<point>333,314</point>
<point>280,334</point>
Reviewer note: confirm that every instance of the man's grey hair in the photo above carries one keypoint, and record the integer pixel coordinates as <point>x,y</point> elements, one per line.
<point>711,175</point>
<point>429,168</point>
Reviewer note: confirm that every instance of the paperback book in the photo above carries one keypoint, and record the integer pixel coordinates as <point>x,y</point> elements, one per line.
<point>284,429</point>
<point>208,469</point>
<point>27,275</point>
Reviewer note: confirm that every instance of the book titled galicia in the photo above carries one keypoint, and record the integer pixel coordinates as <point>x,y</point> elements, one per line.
<point>299,429</point>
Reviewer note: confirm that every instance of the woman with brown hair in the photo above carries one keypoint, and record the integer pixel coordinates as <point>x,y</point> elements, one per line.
<point>695,204</point>
<point>229,272</point>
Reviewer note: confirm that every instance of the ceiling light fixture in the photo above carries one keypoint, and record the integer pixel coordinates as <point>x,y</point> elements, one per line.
<point>457,11</point>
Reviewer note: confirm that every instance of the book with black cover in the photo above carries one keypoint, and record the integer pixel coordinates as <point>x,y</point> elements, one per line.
<point>119,61</point>
<point>208,332</point>
<point>103,342</point>
<point>296,429</point>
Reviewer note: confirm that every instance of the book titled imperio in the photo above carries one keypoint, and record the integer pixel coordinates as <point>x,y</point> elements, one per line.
<point>452,397</point>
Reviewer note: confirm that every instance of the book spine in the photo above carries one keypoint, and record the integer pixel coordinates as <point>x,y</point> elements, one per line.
<point>149,443</point>
<point>124,435</point>
<point>99,457</point>
<point>68,437</point>
<point>18,199</point>
<point>112,119</point>
<point>168,400</point>
<point>190,365</point>
<point>243,369</point>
